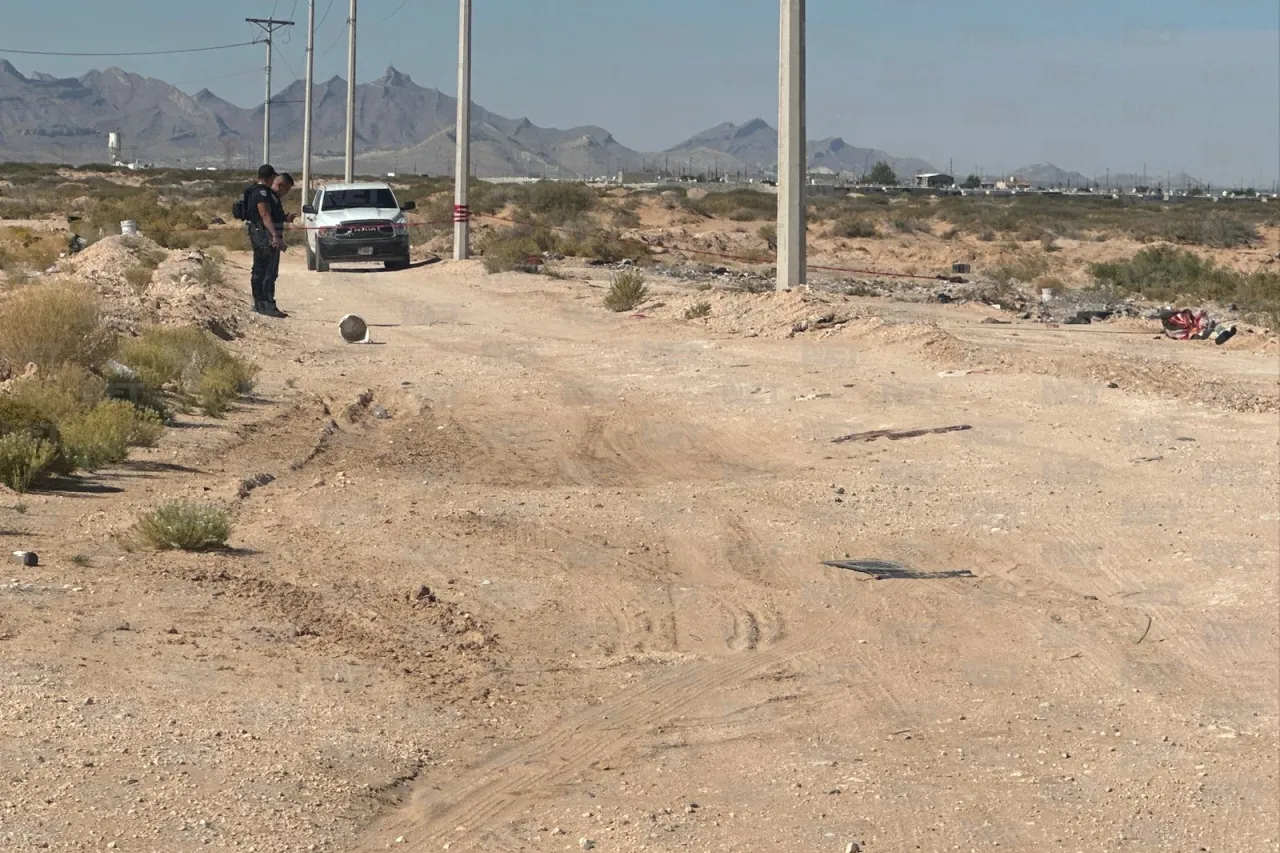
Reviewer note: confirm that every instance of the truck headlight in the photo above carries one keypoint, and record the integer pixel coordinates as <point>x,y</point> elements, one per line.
<point>401,228</point>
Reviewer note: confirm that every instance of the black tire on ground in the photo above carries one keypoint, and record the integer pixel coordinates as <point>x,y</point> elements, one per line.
<point>311,259</point>
<point>321,264</point>
<point>398,264</point>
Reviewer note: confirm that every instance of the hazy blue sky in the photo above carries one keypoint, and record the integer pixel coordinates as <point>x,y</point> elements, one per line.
<point>1188,85</point>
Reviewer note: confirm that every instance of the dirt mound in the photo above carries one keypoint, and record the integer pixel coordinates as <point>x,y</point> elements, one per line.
<point>185,289</point>
<point>768,315</point>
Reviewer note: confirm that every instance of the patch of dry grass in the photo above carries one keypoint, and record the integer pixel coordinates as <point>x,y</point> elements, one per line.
<point>51,325</point>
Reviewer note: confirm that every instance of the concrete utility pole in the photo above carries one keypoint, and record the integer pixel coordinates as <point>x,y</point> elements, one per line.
<point>792,156</point>
<point>462,168</point>
<point>307,98</point>
<point>350,173</point>
<point>269,26</point>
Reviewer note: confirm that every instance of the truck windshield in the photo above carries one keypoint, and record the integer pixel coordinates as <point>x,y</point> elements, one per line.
<point>347,199</point>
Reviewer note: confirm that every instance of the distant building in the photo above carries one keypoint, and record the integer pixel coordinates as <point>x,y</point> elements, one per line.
<point>1013,183</point>
<point>934,180</point>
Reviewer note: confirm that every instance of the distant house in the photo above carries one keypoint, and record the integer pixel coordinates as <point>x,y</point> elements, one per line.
<point>934,180</point>
<point>1013,183</point>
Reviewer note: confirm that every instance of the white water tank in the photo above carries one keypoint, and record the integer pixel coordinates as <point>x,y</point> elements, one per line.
<point>113,146</point>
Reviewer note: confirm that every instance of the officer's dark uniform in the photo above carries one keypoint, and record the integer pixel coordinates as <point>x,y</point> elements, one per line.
<point>266,260</point>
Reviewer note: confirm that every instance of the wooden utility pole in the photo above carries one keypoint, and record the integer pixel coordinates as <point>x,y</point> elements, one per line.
<point>269,26</point>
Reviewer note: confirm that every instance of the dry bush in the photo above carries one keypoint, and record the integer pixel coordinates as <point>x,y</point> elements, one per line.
<point>179,526</point>
<point>51,325</point>
<point>769,234</point>
<point>510,250</point>
<point>103,435</point>
<point>139,277</point>
<point>626,217</point>
<point>61,393</point>
<point>627,291</point>
<point>1022,268</point>
<point>209,274</point>
<point>189,365</point>
<point>853,227</point>
<point>24,458</point>
<point>698,310</point>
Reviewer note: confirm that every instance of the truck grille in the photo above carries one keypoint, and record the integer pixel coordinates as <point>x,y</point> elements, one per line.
<point>364,230</point>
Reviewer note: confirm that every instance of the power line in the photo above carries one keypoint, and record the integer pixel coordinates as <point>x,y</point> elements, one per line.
<point>403,3</point>
<point>134,53</point>
<point>325,16</point>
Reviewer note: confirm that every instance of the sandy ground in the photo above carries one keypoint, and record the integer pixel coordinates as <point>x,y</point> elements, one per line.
<point>533,576</point>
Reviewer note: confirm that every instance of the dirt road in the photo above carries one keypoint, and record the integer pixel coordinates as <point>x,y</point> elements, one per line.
<point>557,580</point>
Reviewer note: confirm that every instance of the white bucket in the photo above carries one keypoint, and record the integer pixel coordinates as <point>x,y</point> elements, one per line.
<point>129,228</point>
<point>1046,294</point>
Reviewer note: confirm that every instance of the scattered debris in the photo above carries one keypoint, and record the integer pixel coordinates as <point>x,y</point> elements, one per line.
<point>996,321</point>
<point>1148,459</point>
<point>257,481</point>
<point>886,570</point>
<point>895,435</point>
<point>1183,324</point>
<point>27,558</point>
<point>1145,631</point>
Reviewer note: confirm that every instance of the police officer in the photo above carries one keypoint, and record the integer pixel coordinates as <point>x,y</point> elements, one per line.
<point>266,234</point>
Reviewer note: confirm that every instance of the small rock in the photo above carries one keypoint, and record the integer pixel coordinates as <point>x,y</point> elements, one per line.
<point>840,490</point>
<point>853,847</point>
<point>1113,384</point>
<point>399,839</point>
<point>586,843</point>
<point>557,831</point>
<point>123,626</point>
<point>89,701</point>
<point>380,413</point>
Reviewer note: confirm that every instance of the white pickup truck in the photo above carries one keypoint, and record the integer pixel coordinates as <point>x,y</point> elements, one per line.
<point>356,222</point>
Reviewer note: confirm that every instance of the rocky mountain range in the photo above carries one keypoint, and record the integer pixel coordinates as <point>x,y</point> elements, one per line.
<point>401,126</point>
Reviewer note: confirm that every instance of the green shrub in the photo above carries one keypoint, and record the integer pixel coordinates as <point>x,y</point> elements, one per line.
<point>190,365</point>
<point>909,225</point>
<point>180,526</point>
<point>1023,268</point>
<point>50,325</point>
<point>557,202</point>
<point>1170,274</point>
<point>742,205</point>
<point>627,291</point>
<point>24,459</point>
<point>510,250</point>
<point>209,273</point>
<point>103,435</point>
<point>61,393</point>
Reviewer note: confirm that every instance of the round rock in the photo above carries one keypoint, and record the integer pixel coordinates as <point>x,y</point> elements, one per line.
<point>353,329</point>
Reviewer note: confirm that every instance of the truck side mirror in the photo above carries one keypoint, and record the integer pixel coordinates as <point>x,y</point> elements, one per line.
<point>309,209</point>
<point>409,205</point>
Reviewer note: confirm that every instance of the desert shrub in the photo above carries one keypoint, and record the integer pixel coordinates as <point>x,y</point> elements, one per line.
<point>188,364</point>
<point>987,236</point>
<point>1170,274</point>
<point>103,435</point>
<point>209,273</point>
<point>853,227</point>
<point>627,291</point>
<point>1022,268</point>
<point>769,234</point>
<point>698,310</point>
<point>24,458</point>
<point>557,202</point>
<point>62,392</point>
<point>53,324</point>
<point>510,250</point>
<point>1048,243</point>
<point>741,205</point>
<point>951,233</point>
<point>909,225</point>
<point>1217,230</point>
<point>625,217</point>
<point>179,526</point>
<point>609,248</point>
<point>139,277</point>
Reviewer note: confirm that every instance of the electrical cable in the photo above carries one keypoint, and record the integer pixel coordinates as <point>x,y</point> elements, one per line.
<point>135,53</point>
<point>403,3</point>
